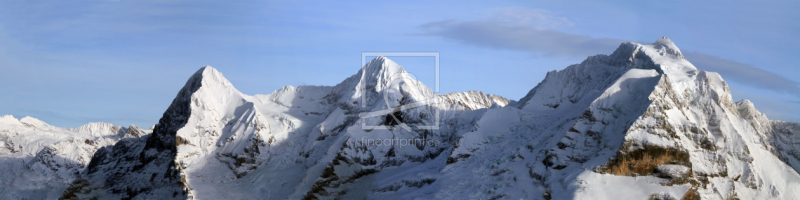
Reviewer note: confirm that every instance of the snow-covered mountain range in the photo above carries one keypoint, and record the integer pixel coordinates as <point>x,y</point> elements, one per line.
<point>641,123</point>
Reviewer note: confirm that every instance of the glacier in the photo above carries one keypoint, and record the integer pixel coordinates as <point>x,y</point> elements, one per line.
<point>640,123</point>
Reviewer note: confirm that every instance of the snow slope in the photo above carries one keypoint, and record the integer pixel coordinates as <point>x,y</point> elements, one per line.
<point>641,123</point>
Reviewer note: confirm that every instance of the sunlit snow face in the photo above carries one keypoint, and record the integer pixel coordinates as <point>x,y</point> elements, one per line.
<point>407,95</point>
<point>402,90</point>
<point>393,95</point>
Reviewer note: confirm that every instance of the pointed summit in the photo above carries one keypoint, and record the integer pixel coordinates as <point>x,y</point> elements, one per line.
<point>206,87</point>
<point>213,82</point>
<point>376,77</point>
<point>210,76</point>
<point>381,67</point>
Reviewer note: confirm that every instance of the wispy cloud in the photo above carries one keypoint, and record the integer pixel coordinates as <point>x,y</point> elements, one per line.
<point>530,30</point>
<point>514,36</point>
<point>537,18</point>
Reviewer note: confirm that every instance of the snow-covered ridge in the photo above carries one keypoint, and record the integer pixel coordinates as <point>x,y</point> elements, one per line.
<point>40,160</point>
<point>473,100</point>
<point>643,120</point>
<point>689,115</point>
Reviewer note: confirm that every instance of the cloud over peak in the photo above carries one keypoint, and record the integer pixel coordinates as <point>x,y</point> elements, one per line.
<point>532,31</point>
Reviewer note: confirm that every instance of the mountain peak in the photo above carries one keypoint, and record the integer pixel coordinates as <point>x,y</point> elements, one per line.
<point>661,48</point>
<point>381,64</point>
<point>376,77</point>
<point>663,40</point>
<point>666,45</point>
<point>662,55</point>
<point>377,74</point>
<point>209,75</point>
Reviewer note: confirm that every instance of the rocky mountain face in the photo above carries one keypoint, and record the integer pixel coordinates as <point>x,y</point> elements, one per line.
<point>641,123</point>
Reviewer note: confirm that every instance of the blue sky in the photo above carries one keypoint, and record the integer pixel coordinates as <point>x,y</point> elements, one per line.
<point>70,63</point>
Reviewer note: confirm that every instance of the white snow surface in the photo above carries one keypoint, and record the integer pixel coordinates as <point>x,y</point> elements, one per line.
<point>337,142</point>
<point>39,160</point>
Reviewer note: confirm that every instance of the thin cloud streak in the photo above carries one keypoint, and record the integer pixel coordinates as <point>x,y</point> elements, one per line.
<point>511,35</point>
<point>515,36</point>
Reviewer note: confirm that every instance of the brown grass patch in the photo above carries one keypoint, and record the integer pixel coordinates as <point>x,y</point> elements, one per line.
<point>646,165</point>
<point>644,161</point>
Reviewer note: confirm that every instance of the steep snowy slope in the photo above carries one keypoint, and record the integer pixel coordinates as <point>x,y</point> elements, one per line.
<point>787,142</point>
<point>781,138</point>
<point>640,123</point>
<point>661,129</point>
